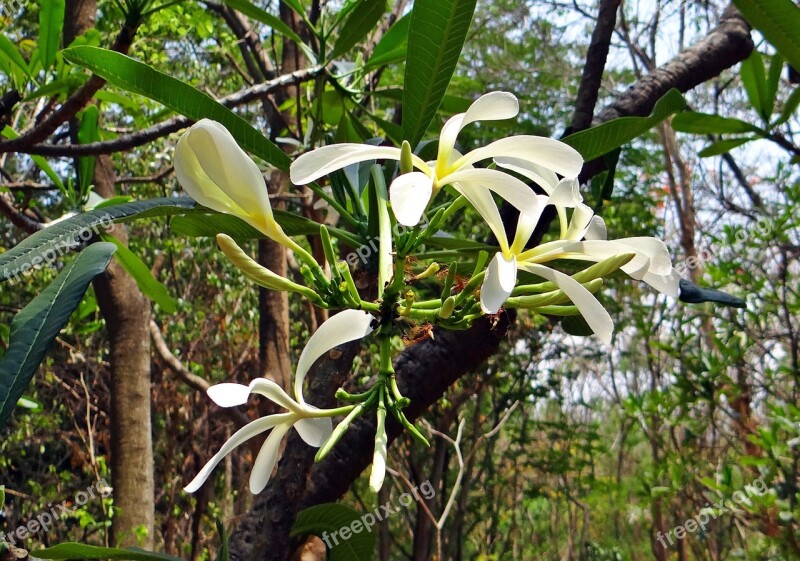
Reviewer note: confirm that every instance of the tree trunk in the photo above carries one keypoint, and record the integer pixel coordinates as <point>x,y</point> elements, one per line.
<point>127,315</point>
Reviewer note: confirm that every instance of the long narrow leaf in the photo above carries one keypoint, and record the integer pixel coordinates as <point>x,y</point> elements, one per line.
<point>49,244</point>
<point>596,141</point>
<point>51,22</point>
<point>778,21</point>
<point>137,77</point>
<point>436,35</point>
<point>36,326</point>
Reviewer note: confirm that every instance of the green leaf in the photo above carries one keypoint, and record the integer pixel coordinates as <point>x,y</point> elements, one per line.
<point>778,21</point>
<point>325,519</point>
<point>64,86</point>
<point>223,554</point>
<point>364,17</point>
<point>754,80</point>
<point>577,326</point>
<point>723,146</point>
<point>71,550</point>
<point>273,21</point>
<point>704,123</point>
<point>392,47</point>
<point>51,21</point>
<point>436,35</point>
<point>773,81</point>
<point>13,58</point>
<point>147,283</point>
<point>37,325</point>
<point>445,242</point>
<point>789,107</point>
<point>57,239</point>
<point>88,132</point>
<point>602,139</point>
<point>11,134</point>
<point>137,77</point>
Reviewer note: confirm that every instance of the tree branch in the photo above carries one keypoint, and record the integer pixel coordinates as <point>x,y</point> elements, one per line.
<point>172,125</point>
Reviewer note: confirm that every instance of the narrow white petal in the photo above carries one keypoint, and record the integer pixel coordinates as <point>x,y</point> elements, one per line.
<point>543,177</point>
<point>322,161</point>
<point>598,250</point>
<point>410,194</point>
<point>597,229</point>
<point>267,458</point>
<point>579,222</point>
<point>526,224</point>
<point>342,328</point>
<point>447,141</point>
<point>481,199</point>
<point>592,311</point>
<point>229,395</point>
<point>272,391</point>
<point>546,152</point>
<point>566,193</point>
<point>243,434</point>
<point>655,249</point>
<point>498,284</point>
<point>665,284</point>
<point>314,430</point>
<point>493,106</point>
<point>518,194</point>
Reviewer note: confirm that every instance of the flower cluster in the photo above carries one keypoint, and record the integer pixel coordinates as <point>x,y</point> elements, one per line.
<point>220,176</point>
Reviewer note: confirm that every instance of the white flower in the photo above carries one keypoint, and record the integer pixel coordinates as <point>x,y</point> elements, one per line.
<point>313,424</point>
<point>218,174</point>
<point>411,193</point>
<point>651,262</point>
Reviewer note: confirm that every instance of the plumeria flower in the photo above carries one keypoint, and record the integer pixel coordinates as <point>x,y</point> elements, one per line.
<point>218,174</point>
<point>410,193</point>
<point>313,424</point>
<point>582,238</point>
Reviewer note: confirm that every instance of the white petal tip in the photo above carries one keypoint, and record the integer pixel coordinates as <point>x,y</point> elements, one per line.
<point>229,395</point>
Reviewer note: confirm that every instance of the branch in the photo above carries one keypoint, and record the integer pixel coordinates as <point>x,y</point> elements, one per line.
<point>17,218</point>
<point>72,105</point>
<point>169,126</point>
<point>594,66</point>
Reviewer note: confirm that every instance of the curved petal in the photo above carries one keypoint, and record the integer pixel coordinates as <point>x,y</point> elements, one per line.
<point>517,193</point>
<point>342,328</point>
<point>322,161</point>
<point>543,177</point>
<point>546,152</point>
<point>592,311</point>
<point>598,250</point>
<point>653,248</point>
<point>566,193</point>
<point>481,199</point>
<point>267,458</point>
<point>665,284</point>
<point>498,284</point>
<point>315,431</point>
<point>493,106</point>
<point>596,230</point>
<point>580,222</point>
<point>410,194</point>
<point>243,434</point>
<point>229,395</point>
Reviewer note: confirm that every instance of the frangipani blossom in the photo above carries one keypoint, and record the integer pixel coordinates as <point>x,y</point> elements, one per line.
<point>410,193</point>
<point>651,261</point>
<point>218,174</point>
<point>313,424</point>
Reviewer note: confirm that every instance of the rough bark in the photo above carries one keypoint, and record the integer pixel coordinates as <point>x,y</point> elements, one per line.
<point>127,315</point>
